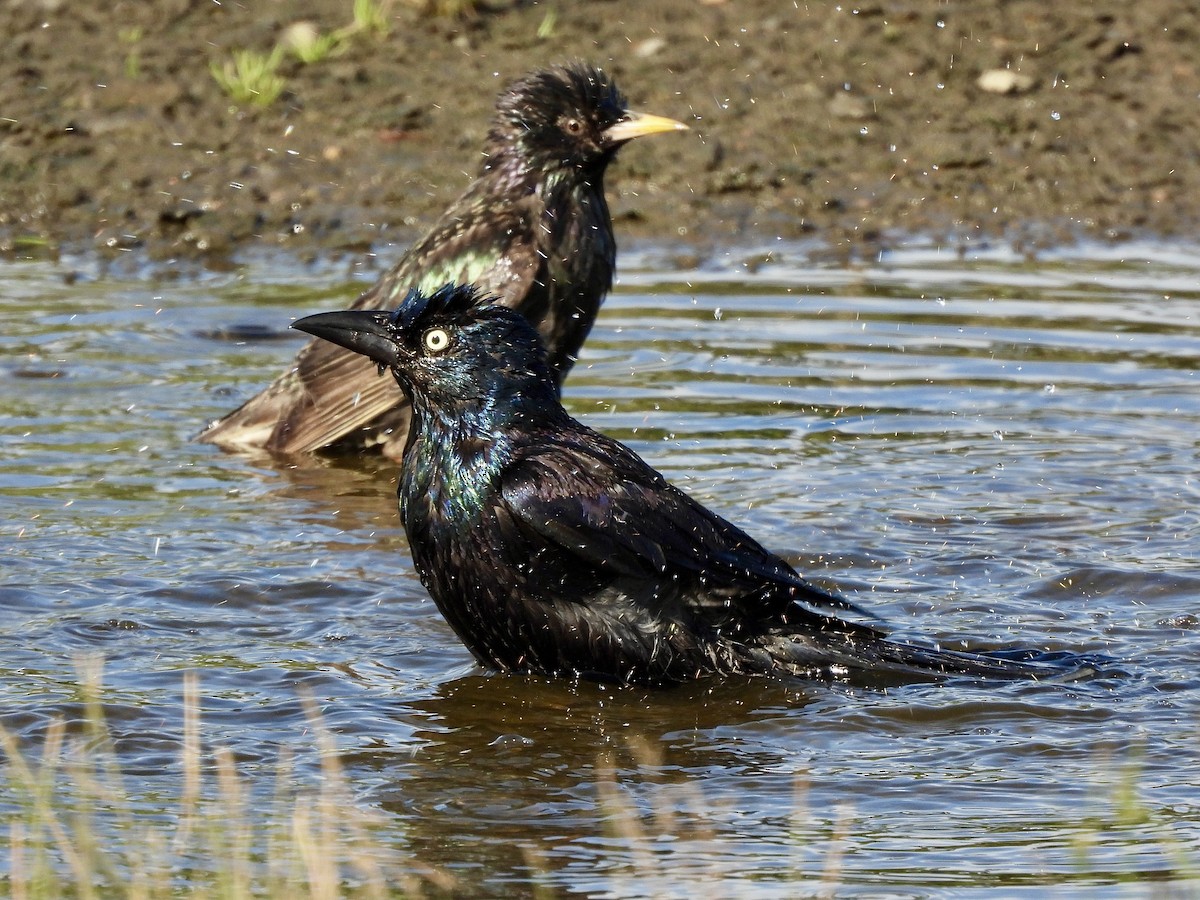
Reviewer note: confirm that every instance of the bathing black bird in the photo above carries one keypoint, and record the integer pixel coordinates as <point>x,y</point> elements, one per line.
<point>533,230</point>
<point>551,548</point>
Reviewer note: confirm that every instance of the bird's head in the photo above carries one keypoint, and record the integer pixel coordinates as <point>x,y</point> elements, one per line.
<point>454,352</point>
<point>567,117</point>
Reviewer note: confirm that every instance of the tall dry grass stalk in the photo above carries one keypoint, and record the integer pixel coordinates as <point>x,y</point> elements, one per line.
<point>664,825</point>
<point>78,828</point>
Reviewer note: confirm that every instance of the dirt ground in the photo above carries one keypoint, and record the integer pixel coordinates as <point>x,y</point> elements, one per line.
<point>853,125</point>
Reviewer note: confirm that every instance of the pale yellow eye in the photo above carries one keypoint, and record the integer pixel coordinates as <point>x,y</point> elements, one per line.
<point>436,340</point>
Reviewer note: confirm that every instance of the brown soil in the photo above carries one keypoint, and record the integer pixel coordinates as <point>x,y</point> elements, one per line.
<point>850,124</point>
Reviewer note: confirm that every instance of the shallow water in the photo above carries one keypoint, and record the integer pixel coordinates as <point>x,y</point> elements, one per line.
<point>984,448</point>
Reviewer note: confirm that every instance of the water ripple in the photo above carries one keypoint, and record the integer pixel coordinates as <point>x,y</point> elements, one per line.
<point>993,450</point>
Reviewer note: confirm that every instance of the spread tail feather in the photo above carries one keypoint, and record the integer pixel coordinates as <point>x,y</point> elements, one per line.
<point>844,656</point>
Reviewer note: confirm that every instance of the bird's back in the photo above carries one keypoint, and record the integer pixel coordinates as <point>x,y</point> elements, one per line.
<point>333,397</point>
<point>573,556</point>
<point>561,551</point>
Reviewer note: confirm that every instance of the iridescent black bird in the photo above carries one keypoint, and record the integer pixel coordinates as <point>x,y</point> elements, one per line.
<point>551,548</point>
<point>533,230</point>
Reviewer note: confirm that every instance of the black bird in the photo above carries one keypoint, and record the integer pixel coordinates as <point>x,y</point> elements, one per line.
<point>533,230</point>
<point>551,548</point>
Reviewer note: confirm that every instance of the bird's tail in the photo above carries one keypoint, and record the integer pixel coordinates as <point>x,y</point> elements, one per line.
<point>871,658</point>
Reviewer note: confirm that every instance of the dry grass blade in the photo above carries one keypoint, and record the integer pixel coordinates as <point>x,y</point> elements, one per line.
<point>82,828</point>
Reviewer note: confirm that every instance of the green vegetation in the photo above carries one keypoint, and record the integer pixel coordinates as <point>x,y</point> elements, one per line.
<point>549,22</point>
<point>370,16</point>
<point>446,9</point>
<point>251,77</point>
<point>133,59</point>
<point>1126,811</point>
<point>308,45</point>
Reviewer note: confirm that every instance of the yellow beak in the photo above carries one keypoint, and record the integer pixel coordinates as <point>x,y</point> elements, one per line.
<point>636,124</point>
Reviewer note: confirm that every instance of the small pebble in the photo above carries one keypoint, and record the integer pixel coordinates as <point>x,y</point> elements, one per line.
<point>1004,81</point>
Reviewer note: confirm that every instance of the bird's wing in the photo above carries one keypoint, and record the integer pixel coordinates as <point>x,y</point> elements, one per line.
<point>600,504</point>
<point>491,245</point>
<point>329,391</point>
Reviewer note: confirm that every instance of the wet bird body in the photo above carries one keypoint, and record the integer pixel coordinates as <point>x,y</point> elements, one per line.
<point>552,548</point>
<point>533,230</point>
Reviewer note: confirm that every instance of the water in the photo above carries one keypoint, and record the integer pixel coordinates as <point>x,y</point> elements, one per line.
<point>986,449</point>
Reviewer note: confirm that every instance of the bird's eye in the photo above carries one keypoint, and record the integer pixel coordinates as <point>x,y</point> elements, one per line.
<point>436,340</point>
<point>573,126</point>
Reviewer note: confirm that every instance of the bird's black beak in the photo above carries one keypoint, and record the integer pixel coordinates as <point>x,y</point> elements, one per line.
<point>363,331</point>
<point>636,124</point>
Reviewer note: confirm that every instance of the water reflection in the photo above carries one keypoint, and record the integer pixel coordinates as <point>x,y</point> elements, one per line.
<point>523,771</point>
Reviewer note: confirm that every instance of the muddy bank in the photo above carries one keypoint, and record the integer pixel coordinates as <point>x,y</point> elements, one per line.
<point>851,125</point>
